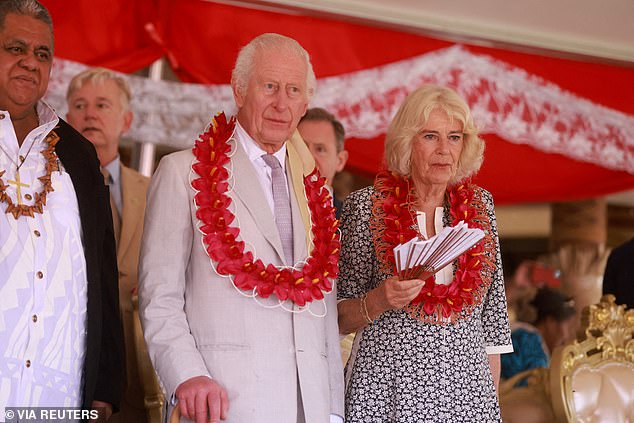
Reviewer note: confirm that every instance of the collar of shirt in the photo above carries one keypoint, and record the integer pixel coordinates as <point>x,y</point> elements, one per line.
<point>421,221</point>
<point>115,170</point>
<point>48,120</point>
<point>255,152</point>
<point>262,170</point>
<point>445,275</point>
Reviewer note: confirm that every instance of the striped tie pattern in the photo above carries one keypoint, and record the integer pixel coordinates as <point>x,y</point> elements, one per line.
<point>282,206</point>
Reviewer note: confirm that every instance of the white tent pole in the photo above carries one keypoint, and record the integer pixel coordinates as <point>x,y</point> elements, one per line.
<point>148,149</point>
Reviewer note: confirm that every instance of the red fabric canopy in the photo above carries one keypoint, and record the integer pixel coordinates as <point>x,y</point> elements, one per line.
<point>108,33</point>
<point>201,40</point>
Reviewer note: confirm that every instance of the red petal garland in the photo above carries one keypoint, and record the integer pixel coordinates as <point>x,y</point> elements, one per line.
<point>222,241</point>
<point>393,224</point>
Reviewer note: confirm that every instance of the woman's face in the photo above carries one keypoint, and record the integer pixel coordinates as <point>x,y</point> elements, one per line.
<point>436,149</point>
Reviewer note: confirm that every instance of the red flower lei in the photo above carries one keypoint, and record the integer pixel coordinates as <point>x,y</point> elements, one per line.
<point>393,223</point>
<point>222,241</point>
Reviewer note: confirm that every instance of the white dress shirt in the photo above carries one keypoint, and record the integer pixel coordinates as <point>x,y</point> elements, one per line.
<point>43,282</point>
<point>445,275</point>
<point>255,152</point>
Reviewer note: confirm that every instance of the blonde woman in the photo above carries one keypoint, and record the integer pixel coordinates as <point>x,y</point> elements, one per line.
<point>426,349</point>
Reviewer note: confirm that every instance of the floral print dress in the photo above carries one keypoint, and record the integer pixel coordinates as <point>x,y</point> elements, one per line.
<point>403,370</point>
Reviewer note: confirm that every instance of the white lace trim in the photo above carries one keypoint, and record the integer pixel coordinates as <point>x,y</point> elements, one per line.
<point>506,100</point>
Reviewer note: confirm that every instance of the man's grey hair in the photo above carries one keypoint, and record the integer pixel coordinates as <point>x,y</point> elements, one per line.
<point>243,68</point>
<point>32,8</point>
<point>98,76</point>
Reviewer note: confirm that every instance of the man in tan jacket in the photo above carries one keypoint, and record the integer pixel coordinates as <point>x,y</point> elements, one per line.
<point>99,108</point>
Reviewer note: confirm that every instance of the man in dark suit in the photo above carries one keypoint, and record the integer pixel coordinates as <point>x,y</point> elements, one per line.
<point>60,338</point>
<point>618,278</point>
<point>325,137</point>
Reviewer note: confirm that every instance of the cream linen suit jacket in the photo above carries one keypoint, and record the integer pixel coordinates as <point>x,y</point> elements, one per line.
<point>196,323</point>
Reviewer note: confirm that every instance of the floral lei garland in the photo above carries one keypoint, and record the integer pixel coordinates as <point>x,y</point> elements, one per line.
<point>18,210</point>
<point>222,240</point>
<point>393,223</point>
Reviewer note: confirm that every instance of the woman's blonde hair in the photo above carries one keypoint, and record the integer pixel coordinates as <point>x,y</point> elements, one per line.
<point>411,118</point>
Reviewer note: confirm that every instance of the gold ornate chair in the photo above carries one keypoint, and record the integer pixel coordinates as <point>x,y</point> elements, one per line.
<point>527,404</point>
<point>592,380</point>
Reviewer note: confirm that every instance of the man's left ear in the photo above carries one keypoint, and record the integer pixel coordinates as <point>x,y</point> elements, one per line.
<point>127,121</point>
<point>342,159</point>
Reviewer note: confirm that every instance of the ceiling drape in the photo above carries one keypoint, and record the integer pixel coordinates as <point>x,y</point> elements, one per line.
<point>556,129</point>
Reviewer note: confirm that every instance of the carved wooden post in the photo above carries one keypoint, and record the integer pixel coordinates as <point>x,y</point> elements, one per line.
<point>620,224</point>
<point>578,245</point>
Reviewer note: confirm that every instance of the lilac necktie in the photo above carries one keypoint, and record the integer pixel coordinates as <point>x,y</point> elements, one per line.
<point>282,205</point>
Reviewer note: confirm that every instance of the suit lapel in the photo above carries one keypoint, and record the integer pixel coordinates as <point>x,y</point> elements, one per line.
<point>299,203</point>
<point>131,215</point>
<point>299,162</point>
<point>248,190</point>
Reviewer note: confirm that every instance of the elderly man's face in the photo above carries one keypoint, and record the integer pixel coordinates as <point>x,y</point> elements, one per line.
<point>275,100</point>
<point>96,110</point>
<point>26,56</point>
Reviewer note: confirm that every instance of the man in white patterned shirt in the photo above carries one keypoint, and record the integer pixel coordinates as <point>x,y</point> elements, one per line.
<point>60,332</point>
